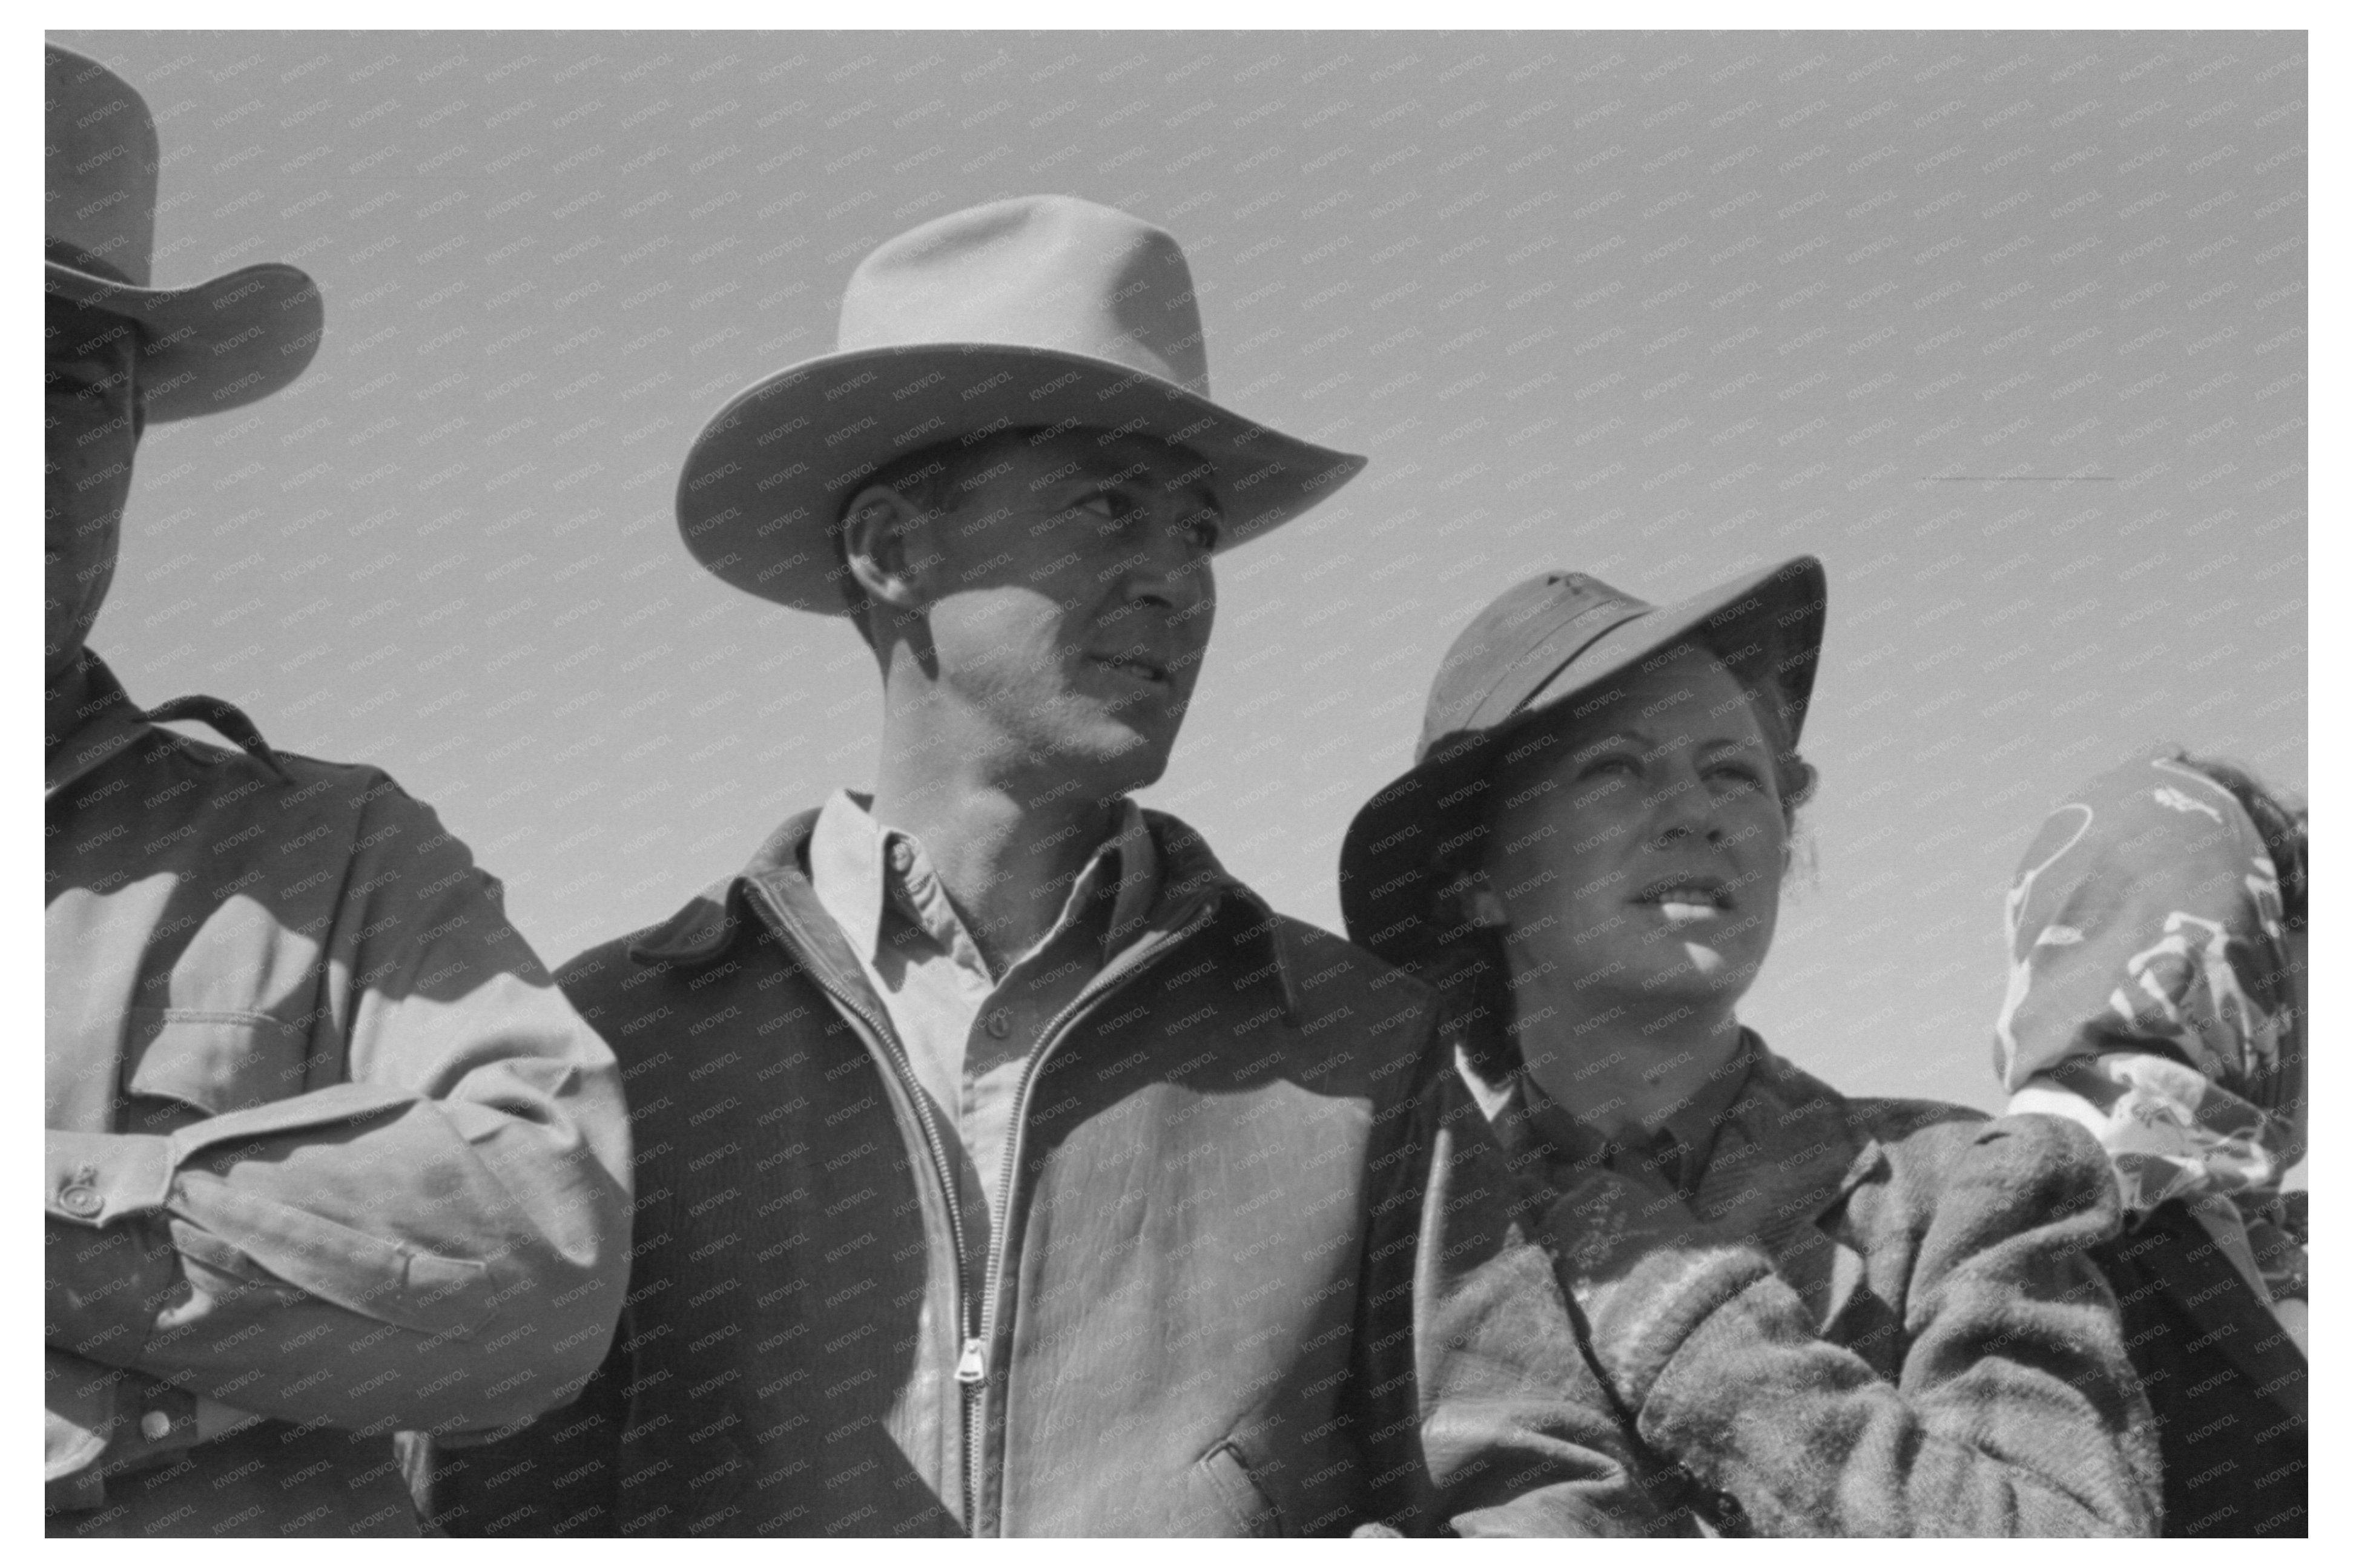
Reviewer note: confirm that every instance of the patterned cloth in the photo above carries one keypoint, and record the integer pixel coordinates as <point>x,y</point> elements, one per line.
<point>2151,1000</point>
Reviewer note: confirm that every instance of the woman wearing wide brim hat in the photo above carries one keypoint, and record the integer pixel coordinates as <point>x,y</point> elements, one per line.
<point>1039,313</point>
<point>1823,1315</point>
<point>204,348</point>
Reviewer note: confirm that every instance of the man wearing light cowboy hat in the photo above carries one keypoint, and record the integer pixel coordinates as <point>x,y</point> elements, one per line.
<point>1008,1168</point>
<point>327,1154</point>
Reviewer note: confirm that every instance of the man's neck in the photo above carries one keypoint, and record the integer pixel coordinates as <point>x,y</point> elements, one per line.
<point>1008,849</point>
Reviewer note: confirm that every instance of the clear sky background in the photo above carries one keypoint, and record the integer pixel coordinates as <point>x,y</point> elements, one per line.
<point>1661,308</point>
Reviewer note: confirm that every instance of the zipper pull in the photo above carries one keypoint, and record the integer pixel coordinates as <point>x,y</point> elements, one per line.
<point>971,1367</point>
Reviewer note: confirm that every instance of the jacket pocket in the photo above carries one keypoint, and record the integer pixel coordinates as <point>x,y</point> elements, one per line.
<point>212,1062</point>
<point>1253,1512</point>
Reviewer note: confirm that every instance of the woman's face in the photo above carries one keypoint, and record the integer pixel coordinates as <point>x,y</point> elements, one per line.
<point>1639,843</point>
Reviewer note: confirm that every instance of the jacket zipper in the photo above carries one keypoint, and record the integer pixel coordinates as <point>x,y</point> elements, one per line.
<point>975,1355</point>
<point>972,1361</point>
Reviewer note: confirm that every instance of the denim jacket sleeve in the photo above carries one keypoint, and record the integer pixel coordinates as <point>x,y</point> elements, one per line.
<point>1485,1417</point>
<point>430,1231</point>
<point>2013,1412</point>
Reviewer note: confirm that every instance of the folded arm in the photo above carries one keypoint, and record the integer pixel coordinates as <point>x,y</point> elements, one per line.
<point>438,1242</point>
<point>2016,1411</point>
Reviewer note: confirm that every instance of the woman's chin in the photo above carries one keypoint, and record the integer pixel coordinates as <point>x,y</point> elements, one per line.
<point>1698,977</point>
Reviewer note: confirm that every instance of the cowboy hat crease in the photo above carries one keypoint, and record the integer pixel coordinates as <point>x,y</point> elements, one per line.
<point>1044,312</point>
<point>205,348</point>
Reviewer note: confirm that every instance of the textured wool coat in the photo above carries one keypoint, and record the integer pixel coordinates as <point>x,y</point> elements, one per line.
<point>1877,1317</point>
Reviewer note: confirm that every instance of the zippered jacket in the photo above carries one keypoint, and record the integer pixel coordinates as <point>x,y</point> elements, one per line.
<point>1255,1273</point>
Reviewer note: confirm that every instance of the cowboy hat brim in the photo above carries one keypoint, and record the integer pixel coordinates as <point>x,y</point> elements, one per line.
<point>212,346</point>
<point>1392,859</point>
<point>765,483</point>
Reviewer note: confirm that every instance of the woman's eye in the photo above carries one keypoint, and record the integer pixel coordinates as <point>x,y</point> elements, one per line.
<point>1605,767</point>
<point>1738,772</point>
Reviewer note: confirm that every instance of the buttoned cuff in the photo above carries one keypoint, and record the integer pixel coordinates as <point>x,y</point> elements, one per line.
<point>101,1178</point>
<point>109,1259</point>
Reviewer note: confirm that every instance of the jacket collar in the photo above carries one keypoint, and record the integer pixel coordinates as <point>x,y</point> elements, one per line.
<point>1832,1150</point>
<point>1191,880</point>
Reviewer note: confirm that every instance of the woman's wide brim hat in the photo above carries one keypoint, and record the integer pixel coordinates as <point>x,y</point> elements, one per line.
<point>1042,313</point>
<point>1553,640</point>
<point>204,349</point>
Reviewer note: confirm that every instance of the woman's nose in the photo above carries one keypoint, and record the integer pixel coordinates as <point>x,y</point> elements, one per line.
<point>1682,807</point>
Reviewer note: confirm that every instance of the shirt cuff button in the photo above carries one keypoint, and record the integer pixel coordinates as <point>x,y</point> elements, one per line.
<point>156,1426</point>
<point>82,1201</point>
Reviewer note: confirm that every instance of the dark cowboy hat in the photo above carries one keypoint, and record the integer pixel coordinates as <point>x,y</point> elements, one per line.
<point>204,349</point>
<point>1040,311</point>
<point>1546,642</point>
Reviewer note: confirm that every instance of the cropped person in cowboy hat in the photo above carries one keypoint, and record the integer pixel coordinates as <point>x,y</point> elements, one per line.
<point>1825,1315</point>
<point>328,1155</point>
<point>1008,1167</point>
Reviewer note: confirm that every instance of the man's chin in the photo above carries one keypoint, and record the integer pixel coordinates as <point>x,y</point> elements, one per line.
<point>1120,757</point>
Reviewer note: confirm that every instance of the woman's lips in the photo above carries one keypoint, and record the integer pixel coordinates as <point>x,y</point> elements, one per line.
<point>1687,898</point>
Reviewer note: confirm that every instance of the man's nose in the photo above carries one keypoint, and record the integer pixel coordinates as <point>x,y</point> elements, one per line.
<point>1166,572</point>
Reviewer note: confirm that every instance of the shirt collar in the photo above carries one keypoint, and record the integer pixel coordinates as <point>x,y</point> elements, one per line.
<point>852,869</point>
<point>1678,1151</point>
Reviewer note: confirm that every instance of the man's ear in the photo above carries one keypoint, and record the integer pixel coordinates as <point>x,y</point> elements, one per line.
<point>879,546</point>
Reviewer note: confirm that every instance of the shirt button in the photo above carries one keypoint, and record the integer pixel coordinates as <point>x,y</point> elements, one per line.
<point>156,1426</point>
<point>81,1200</point>
<point>902,859</point>
<point>999,1023</point>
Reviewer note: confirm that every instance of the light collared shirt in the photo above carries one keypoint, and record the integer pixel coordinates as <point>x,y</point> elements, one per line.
<point>969,1033</point>
<point>291,1038</point>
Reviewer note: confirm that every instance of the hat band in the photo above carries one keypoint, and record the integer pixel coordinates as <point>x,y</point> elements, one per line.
<point>67,254</point>
<point>1634,611</point>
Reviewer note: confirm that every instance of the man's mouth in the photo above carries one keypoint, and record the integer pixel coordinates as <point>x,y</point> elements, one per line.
<point>1142,665</point>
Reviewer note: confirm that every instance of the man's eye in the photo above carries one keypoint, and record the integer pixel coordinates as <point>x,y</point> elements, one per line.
<point>1202,534</point>
<point>1106,506</point>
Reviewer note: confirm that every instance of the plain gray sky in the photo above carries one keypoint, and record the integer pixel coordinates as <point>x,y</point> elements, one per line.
<point>1662,308</point>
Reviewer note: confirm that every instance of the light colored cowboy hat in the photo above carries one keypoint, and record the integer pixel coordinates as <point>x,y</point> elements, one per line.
<point>1544,643</point>
<point>205,348</point>
<point>1040,311</point>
